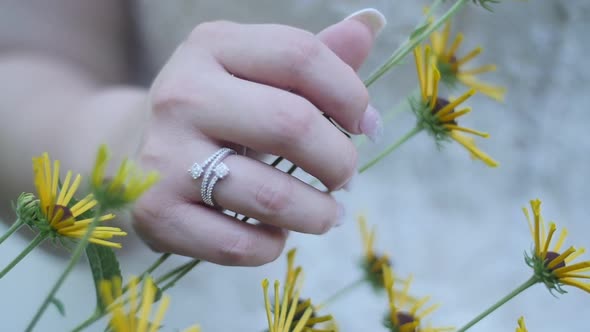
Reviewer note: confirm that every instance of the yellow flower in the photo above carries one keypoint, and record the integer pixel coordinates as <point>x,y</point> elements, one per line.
<point>281,320</point>
<point>404,315</point>
<point>123,320</point>
<point>291,312</point>
<point>552,266</point>
<point>438,115</point>
<point>127,186</point>
<point>61,215</point>
<point>372,263</point>
<point>452,67</point>
<point>521,326</point>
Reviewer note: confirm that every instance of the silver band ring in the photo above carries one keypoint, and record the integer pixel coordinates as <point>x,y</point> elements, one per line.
<point>197,170</point>
<point>212,170</point>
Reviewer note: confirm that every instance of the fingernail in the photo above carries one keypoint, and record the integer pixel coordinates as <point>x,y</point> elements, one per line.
<point>371,124</point>
<point>341,215</point>
<point>370,17</point>
<point>350,184</point>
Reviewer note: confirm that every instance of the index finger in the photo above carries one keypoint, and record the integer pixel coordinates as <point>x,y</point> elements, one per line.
<point>290,59</point>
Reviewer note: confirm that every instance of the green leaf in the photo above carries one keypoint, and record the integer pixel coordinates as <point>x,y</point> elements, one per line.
<point>58,305</point>
<point>419,30</point>
<point>104,266</point>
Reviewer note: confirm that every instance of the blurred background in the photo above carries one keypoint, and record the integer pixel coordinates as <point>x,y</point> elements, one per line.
<point>453,223</point>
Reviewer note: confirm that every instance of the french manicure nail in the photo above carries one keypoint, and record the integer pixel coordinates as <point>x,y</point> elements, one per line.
<point>341,215</point>
<point>371,124</point>
<point>370,17</point>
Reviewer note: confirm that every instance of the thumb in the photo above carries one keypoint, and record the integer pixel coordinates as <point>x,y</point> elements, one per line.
<point>352,38</point>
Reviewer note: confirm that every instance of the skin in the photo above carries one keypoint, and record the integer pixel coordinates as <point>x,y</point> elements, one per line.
<point>259,86</point>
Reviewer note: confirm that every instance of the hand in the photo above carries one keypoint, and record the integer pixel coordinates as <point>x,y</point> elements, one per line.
<point>264,87</point>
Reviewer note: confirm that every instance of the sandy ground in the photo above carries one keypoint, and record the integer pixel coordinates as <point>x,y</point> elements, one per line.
<point>451,222</point>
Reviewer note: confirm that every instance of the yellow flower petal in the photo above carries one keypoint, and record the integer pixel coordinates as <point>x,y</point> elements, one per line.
<point>477,153</point>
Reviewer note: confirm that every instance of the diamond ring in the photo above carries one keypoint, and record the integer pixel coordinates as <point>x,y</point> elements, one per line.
<point>212,170</point>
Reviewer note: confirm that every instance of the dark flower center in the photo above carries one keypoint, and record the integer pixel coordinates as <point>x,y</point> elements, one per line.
<point>453,64</point>
<point>377,262</point>
<point>300,311</point>
<point>440,104</point>
<point>550,257</point>
<point>67,213</point>
<point>405,318</point>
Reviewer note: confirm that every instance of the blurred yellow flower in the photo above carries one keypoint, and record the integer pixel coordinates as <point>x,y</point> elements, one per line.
<point>452,67</point>
<point>403,315</point>
<point>57,209</point>
<point>128,184</point>
<point>552,266</point>
<point>128,320</point>
<point>438,115</point>
<point>521,326</point>
<point>372,263</point>
<point>294,313</point>
<point>282,319</point>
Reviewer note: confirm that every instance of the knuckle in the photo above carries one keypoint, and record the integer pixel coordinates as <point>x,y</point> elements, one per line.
<point>290,125</point>
<point>302,53</point>
<point>274,197</point>
<point>236,249</point>
<point>210,29</point>
<point>173,93</point>
<point>347,166</point>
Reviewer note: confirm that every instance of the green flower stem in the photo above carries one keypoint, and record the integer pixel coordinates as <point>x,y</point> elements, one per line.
<point>189,266</point>
<point>150,269</point>
<point>533,280</point>
<point>95,316</point>
<point>176,271</point>
<point>390,149</point>
<point>176,274</point>
<point>78,251</point>
<point>15,227</point>
<point>36,242</point>
<point>343,291</point>
<point>156,264</point>
<point>401,107</point>
<point>410,44</point>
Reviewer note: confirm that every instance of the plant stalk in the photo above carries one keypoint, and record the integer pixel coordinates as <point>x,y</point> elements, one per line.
<point>533,280</point>
<point>78,251</point>
<point>150,269</point>
<point>13,228</point>
<point>95,316</point>
<point>390,149</point>
<point>410,44</point>
<point>36,242</point>
<point>189,266</point>
<point>341,292</point>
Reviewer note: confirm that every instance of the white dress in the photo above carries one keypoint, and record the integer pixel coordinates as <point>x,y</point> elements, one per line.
<point>451,222</point>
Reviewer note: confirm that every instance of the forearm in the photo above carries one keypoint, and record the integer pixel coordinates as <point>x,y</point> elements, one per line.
<point>50,106</point>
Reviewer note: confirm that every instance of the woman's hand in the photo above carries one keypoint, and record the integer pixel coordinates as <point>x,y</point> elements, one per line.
<point>264,87</point>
